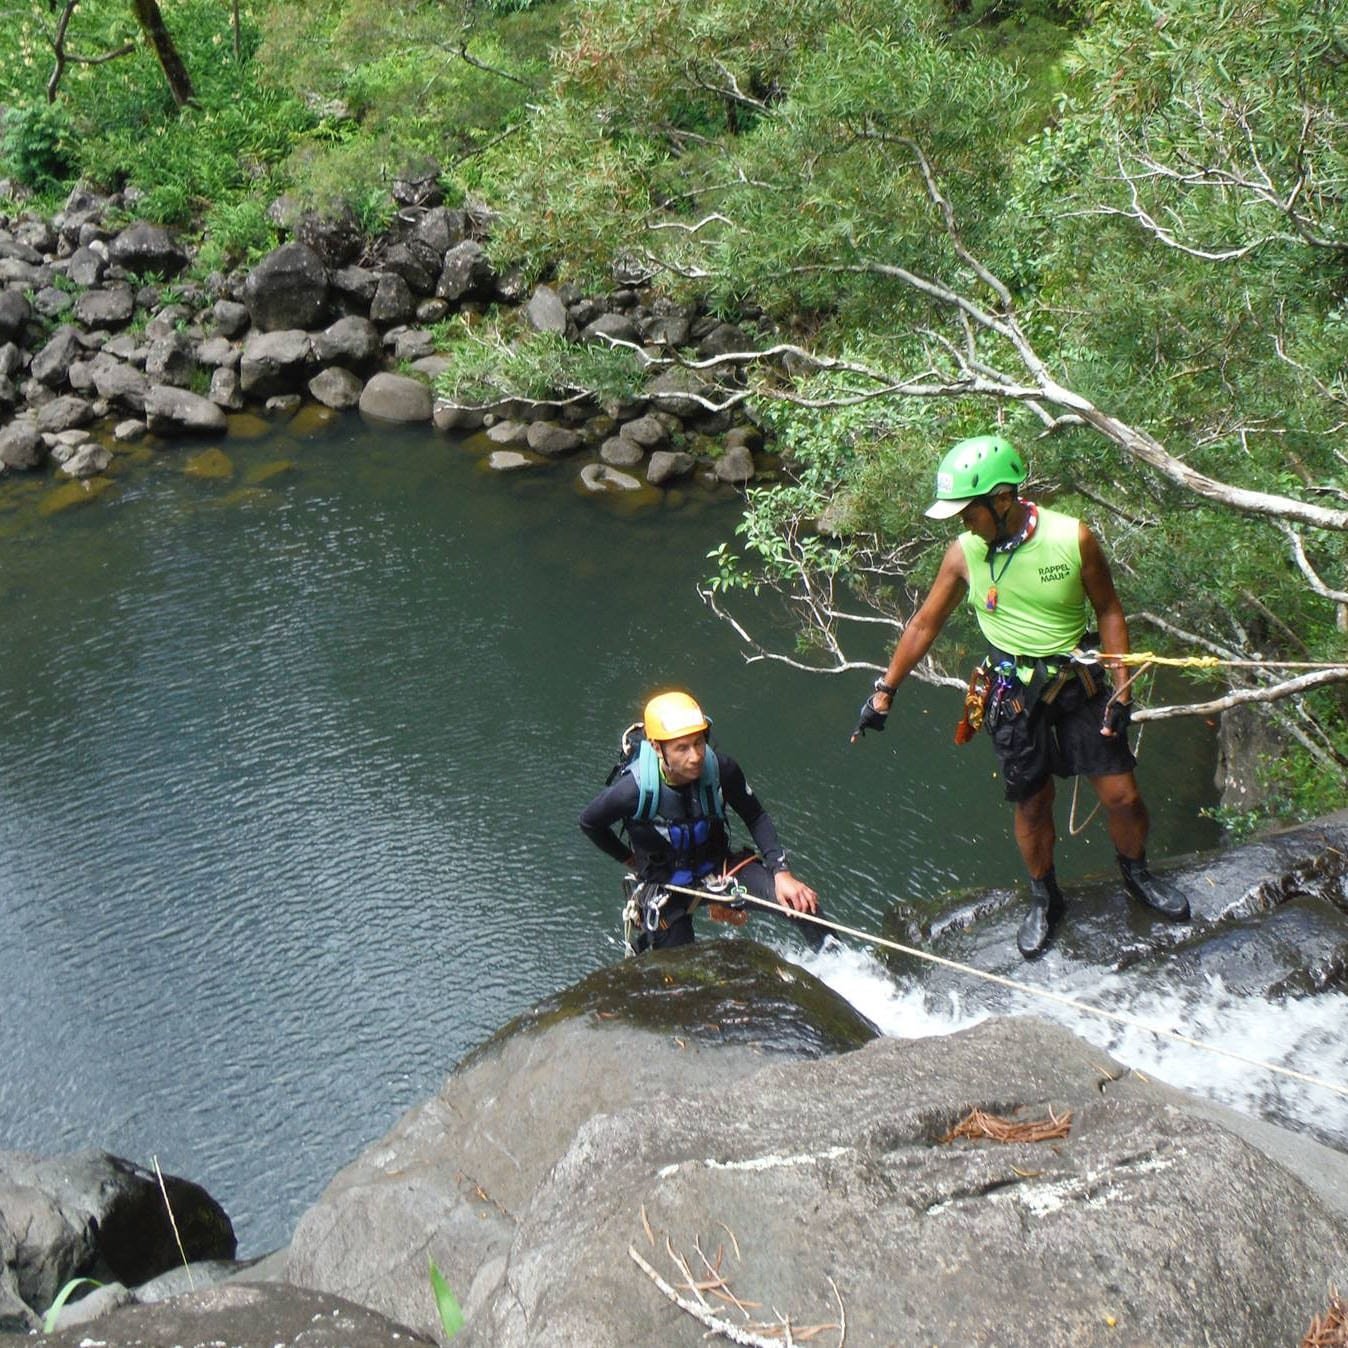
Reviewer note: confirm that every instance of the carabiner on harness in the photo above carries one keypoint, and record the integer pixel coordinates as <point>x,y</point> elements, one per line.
<point>641,912</point>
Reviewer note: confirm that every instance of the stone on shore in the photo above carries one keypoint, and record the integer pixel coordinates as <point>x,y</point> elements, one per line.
<point>274,362</point>
<point>21,446</point>
<point>287,289</point>
<point>337,388</point>
<point>173,411</point>
<point>396,398</point>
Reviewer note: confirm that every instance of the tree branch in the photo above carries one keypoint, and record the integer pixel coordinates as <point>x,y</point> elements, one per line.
<point>1245,696</point>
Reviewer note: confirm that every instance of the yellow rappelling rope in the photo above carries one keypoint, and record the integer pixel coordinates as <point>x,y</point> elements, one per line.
<point>1205,661</point>
<point>1119,1017</point>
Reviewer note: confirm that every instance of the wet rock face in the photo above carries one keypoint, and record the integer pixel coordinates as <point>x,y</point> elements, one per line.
<point>713,992</point>
<point>1270,914</point>
<point>455,1174</point>
<point>836,1188</point>
<point>638,1112</point>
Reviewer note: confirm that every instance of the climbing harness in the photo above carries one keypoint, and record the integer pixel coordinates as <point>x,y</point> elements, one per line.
<point>1118,1017</point>
<point>645,901</point>
<point>642,909</point>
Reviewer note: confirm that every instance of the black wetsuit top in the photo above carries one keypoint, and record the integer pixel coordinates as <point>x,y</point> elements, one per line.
<point>655,858</point>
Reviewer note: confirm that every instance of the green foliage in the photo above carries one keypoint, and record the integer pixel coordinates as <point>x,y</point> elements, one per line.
<point>374,210</point>
<point>236,232</point>
<point>35,144</point>
<point>489,368</point>
<point>446,1304</point>
<point>114,123</point>
<point>413,82</point>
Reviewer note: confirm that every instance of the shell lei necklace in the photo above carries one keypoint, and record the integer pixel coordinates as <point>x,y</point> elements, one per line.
<point>1009,548</point>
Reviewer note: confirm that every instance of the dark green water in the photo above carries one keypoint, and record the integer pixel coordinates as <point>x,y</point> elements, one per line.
<point>290,778</point>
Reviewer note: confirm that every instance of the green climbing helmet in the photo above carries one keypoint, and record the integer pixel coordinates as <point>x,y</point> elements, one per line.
<point>973,468</point>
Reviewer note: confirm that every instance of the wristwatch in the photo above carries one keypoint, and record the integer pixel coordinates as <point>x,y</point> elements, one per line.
<point>881,686</point>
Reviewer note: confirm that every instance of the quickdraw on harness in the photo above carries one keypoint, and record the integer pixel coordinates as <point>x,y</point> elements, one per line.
<point>644,906</point>
<point>996,688</point>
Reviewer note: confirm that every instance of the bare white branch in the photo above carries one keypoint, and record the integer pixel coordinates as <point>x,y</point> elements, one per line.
<point>1307,570</point>
<point>1245,696</point>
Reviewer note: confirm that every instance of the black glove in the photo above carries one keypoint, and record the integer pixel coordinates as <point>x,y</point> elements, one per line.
<point>869,719</point>
<point>1117,717</point>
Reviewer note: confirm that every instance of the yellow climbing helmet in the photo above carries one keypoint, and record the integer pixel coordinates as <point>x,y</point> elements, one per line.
<point>670,716</point>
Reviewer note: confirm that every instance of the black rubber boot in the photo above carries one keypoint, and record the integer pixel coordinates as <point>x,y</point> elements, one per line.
<point>1046,909</point>
<point>1159,895</point>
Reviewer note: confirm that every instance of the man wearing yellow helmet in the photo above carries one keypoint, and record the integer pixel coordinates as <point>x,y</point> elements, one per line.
<point>1032,577</point>
<point>670,801</point>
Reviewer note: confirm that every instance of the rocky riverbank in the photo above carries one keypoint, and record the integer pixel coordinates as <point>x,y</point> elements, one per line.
<point>107,336</point>
<point>712,1137</point>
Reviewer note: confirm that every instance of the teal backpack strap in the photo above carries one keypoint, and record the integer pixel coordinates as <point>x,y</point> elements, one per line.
<point>647,772</point>
<point>709,786</point>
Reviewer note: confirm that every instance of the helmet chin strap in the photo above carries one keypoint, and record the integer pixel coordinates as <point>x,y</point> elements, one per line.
<point>1002,535</point>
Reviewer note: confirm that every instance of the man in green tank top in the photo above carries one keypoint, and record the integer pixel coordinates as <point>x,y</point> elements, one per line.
<point>1033,578</point>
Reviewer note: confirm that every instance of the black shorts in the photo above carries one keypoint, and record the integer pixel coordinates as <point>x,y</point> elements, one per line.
<point>1061,738</point>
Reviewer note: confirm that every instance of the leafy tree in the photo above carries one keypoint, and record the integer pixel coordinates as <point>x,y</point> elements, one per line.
<point>1143,280</point>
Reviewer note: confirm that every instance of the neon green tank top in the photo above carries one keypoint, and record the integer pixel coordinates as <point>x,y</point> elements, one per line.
<point>1041,607</point>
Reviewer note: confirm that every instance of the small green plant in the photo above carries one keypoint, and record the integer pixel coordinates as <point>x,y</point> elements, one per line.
<point>236,232</point>
<point>34,146</point>
<point>54,1310</point>
<point>1237,824</point>
<point>374,210</point>
<point>446,1303</point>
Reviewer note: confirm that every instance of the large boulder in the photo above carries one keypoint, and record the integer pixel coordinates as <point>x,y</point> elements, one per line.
<point>15,311</point>
<point>337,388</point>
<point>352,342</point>
<point>287,289</point>
<point>681,391</point>
<point>173,411</point>
<point>63,414</point>
<point>143,248</point>
<point>866,1186</point>
<point>736,465</point>
<point>171,359</point>
<point>552,439</point>
<point>545,311</point>
<point>1267,919</point>
<point>393,300</point>
<point>440,228</point>
<point>417,263</point>
<point>467,273</point>
<point>275,362</point>
<point>396,397</point>
<point>21,447</point>
<point>667,465</point>
<point>89,1214</point>
<point>662,1106</point>
<point>334,234</point>
<point>456,1173</point>
<point>111,307</point>
<point>87,265</point>
<point>51,365</point>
